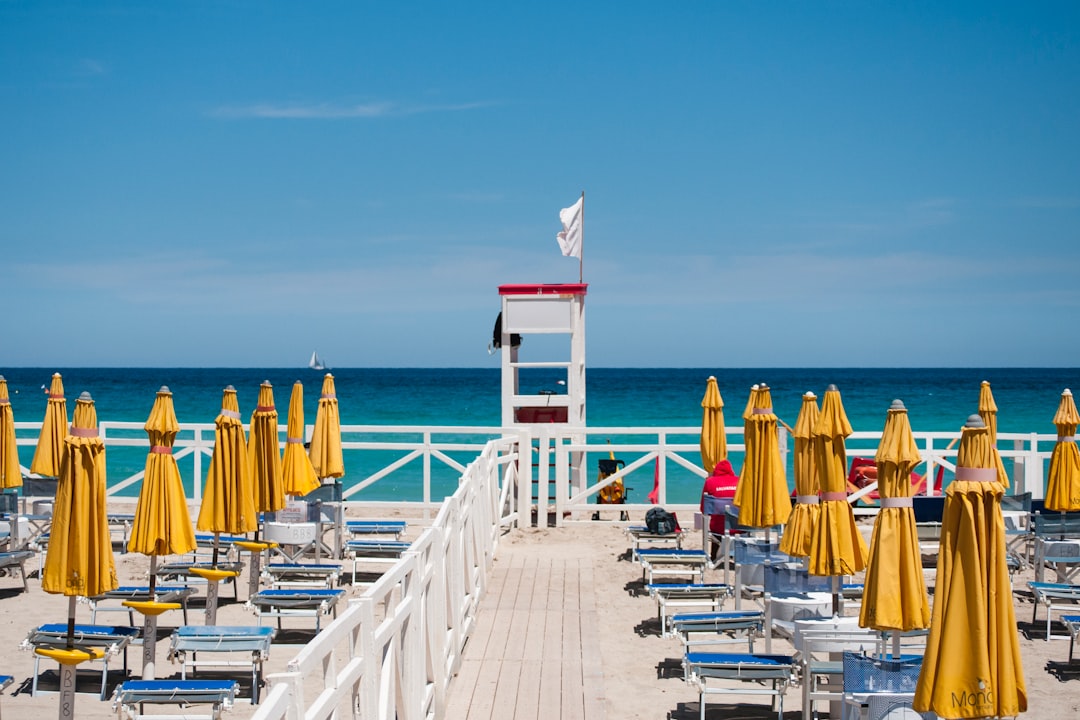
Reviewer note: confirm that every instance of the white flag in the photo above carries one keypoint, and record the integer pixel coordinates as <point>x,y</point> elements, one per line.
<point>570,237</point>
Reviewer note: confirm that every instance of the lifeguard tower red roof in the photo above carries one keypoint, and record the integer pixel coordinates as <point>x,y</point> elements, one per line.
<point>534,289</point>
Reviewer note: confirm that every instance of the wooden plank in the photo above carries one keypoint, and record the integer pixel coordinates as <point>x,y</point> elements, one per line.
<point>592,676</point>
<point>501,623</point>
<point>573,706</point>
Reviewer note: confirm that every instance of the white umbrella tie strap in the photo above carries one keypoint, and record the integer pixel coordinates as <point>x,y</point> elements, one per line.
<point>977,474</point>
<point>834,496</point>
<point>1066,438</point>
<point>230,414</point>
<point>295,441</point>
<point>896,502</point>
<point>84,432</point>
<point>328,396</point>
<point>808,499</point>
<point>761,411</point>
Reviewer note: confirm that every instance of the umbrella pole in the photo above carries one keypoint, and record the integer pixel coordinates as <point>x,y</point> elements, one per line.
<point>896,644</point>
<point>149,643</point>
<point>67,670</point>
<point>837,607</point>
<point>71,623</point>
<point>212,588</point>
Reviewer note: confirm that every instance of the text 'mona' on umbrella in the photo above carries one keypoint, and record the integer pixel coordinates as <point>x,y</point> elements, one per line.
<point>894,595</point>
<point>10,472</point>
<point>79,561</point>
<point>297,475</point>
<point>1063,481</point>
<point>804,516</point>
<point>50,445</point>
<point>325,451</point>
<point>972,668</point>
<point>162,525</point>
<point>713,436</point>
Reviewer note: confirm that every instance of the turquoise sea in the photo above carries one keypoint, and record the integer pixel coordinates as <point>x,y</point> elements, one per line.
<point>936,398</point>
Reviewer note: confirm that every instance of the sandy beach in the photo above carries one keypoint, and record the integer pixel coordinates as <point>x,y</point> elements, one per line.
<point>641,672</point>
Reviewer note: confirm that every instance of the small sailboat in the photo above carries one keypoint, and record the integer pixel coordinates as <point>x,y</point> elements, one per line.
<point>316,362</point>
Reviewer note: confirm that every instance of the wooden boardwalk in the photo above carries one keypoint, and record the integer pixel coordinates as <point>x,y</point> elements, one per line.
<point>535,650</point>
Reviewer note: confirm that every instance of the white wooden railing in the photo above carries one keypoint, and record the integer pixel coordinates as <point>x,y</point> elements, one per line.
<point>392,653</point>
<point>559,476</point>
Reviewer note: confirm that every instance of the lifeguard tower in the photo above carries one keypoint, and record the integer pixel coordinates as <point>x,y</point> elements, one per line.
<point>532,392</point>
<point>543,310</point>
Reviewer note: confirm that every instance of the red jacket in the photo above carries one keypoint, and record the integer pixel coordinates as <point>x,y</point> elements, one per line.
<point>720,484</point>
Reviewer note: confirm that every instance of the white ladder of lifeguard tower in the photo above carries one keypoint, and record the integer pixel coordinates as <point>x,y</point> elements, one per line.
<point>557,309</point>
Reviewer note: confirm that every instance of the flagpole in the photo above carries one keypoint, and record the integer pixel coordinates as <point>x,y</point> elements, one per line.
<point>581,253</point>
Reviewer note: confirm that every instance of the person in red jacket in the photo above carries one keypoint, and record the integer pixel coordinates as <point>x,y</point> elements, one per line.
<point>721,484</point>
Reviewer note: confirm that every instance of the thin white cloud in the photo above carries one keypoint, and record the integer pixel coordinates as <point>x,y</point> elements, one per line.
<point>335,111</point>
<point>89,67</point>
<point>1048,203</point>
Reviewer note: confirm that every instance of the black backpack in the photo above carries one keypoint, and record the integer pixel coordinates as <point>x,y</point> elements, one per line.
<point>660,522</point>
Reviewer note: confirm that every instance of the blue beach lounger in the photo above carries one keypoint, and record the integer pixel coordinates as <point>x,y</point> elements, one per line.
<point>394,528</point>
<point>639,534</point>
<point>5,680</point>
<point>181,572</point>
<point>672,562</point>
<point>113,639</point>
<point>709,628</point>
<point>15,561</point>
<point>713,673</point>
<point>253,642</point>
<point>140,593</point>
<point>302,575</point>
<point>1072,623</point>
<point>374,551</point>
<point>296,603</point>
<point>672,597</point>
<point>219,694</point>
<point>1054,596</point>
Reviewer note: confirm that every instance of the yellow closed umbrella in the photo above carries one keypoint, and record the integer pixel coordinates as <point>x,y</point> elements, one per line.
<point>894,595</point>
<point>80,558</point>
<point>228,503</point>
<point>972,666</point>
<point>988,412</point>
<point>713,436</point>
<point>807,510</point>
<point>1063,482</point>
<point>297,475</point>
<point>50,445</point>
<point>762,492</point>
<point>264,453</point>
<point>10,471</point>
<point>325,451</point>
<point>836,545</point>
<point>79,561</point>
<point>162,524</point>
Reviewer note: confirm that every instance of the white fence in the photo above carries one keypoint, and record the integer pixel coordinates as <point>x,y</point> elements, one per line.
<point>392,653</point>
<point>429,460</point>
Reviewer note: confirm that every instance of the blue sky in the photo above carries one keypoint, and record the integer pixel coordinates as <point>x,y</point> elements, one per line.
<point>767,184</point>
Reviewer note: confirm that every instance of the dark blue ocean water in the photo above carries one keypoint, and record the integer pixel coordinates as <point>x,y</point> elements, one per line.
<point>937,399</point>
